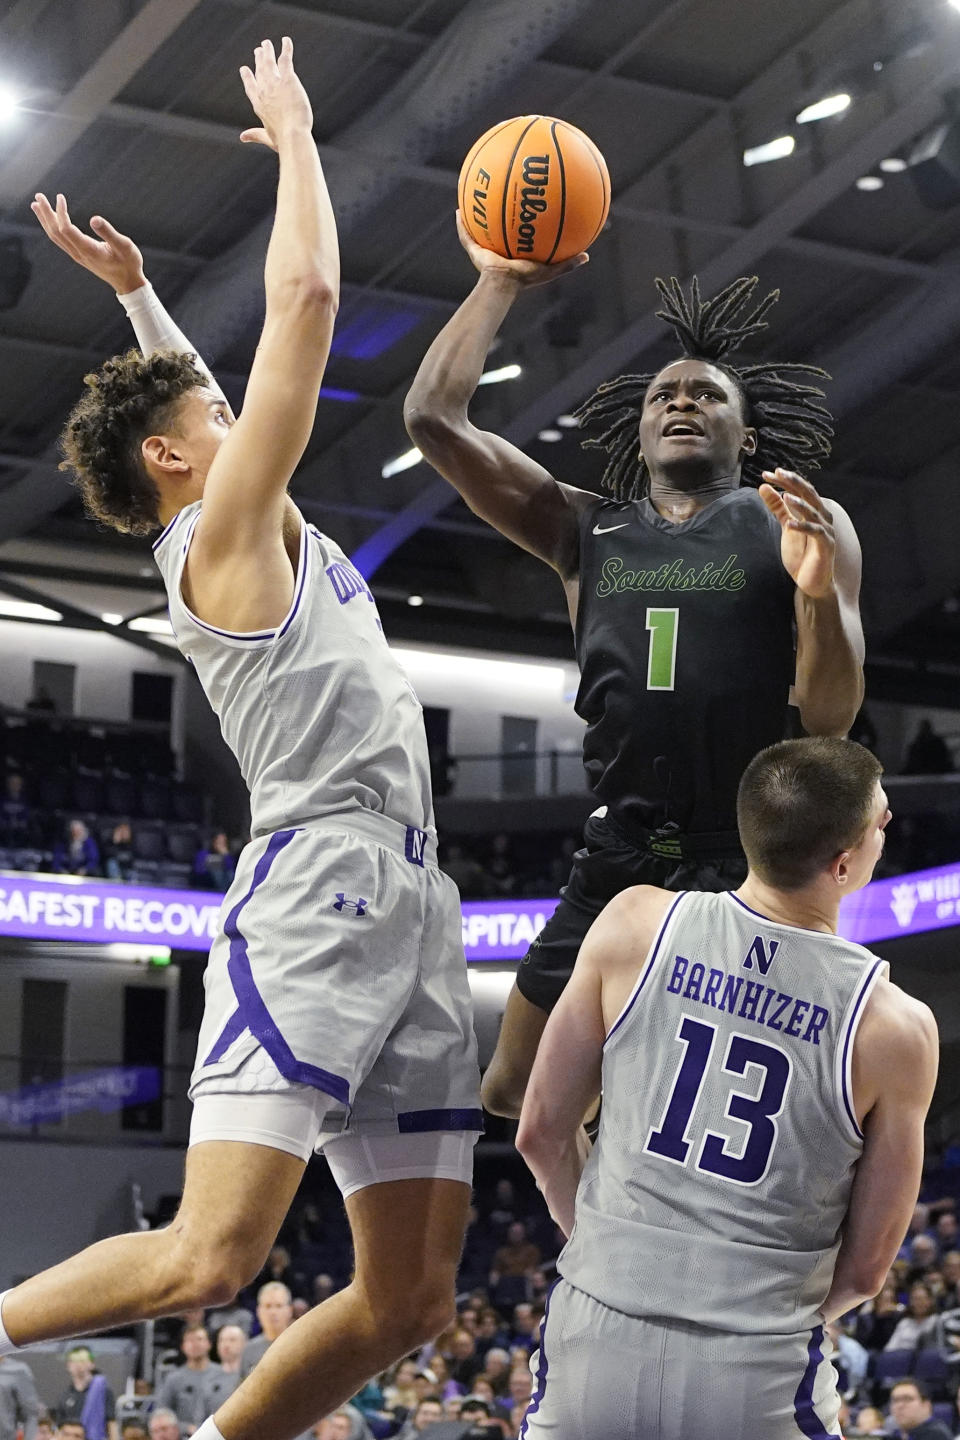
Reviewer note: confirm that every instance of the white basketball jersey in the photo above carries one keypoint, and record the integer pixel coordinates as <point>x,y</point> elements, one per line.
<point>728,1139</point>
<point>317,711</point>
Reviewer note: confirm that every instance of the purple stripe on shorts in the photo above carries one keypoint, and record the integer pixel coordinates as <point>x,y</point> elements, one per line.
<point>417,1122</point>
<point>234,1028</point>
<point>250,1003</point>
<point>803,1412</point>
<point>536,1400</point>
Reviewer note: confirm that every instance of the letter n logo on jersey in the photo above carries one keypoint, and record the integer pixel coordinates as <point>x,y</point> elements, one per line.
<point>415,845</point>
<point>757,955</point>
<point>358,906</point>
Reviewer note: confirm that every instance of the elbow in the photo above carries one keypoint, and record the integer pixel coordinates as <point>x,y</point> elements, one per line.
<point>529,1142</point>
<point>430,428</point>
<point>312,293</point>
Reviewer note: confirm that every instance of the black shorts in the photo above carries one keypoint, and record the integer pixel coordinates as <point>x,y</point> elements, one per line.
<point>607,864</point>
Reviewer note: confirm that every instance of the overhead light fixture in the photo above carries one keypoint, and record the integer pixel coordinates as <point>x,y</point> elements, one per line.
<point>506,372</point>
<point>773,150</point>
<point>567,422</point>
<point>27,610</point>
<point>109,617</point>
<point>9,103</point>
<point>870,182</point>
<point>550,436</point>
<point>406,461</point>
<point>505,677</point>
<point>823,109</point>
<point>152,625</point>
<point>415,600</point>
<point>893,165</point>
<point>955,4</point>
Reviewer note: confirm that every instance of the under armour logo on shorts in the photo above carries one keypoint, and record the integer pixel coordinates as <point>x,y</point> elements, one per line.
<point>358,906</point>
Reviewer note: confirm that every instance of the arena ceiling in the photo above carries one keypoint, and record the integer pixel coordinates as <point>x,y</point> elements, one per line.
<point>133,107</point>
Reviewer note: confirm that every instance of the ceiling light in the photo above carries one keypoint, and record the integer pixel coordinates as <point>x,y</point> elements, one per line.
<point>26,610</point>
<point>414,600</point>
<point>823,109</point>
<point>955,4</point>
<point>497,676</point>
<point>773,150</point>
<point>9,103</point>
<point>506,372</point>
<point>893,165</point>
<point>109,617</point>
<point>567,422</point>
<point>152,625</point>
<point>551,436</point>
<point>870,182</point>
<point>406,461</point>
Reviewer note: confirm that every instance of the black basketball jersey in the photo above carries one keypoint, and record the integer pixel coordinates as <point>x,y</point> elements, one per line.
<point>685,643</point>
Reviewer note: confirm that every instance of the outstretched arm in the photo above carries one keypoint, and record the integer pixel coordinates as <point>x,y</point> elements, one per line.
<point>497,480</point>
<point>821,553</point>
<point>116,260</point>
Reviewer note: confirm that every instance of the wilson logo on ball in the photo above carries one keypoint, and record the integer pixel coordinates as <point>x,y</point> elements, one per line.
<point>536,188</point>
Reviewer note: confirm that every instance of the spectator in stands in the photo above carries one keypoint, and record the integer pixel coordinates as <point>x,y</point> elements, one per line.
<point>928,753</point>
<point>504,1210</point>
<point>89,1398</point>
<point>77,853</point>
<point>163,1425</point>
<point>496,1369</point>
<point>912,1413</point>
<point>501,866</point>
<point>918,1328</point>
<point>14,812</point>
<point>72,1430</point>
<point>947,1231</point>
<point>44,1429</point>
<point>465,871</point>
<point>869,1421</point>
<point>521,1385</point>
<point>198,1387</point>
<point>322,1288</point>
<point>465,1363</point>
<point>133,1429</point>
<point>399,1391</point>
<point>118,852</point>
<point>19,1401</point>
<point>344,1424</point>
<point>475,1409</point>
<point>951,1277</point>
<point>491,1332</point>
<point>428,1412</point>
<point>231,1342</point>
<point>526,1326</point>
<point>923,1254</point>
<point>517,1257</point>
<point>850,1360</point>
<point>275,1314</point>
<point>214,866</point>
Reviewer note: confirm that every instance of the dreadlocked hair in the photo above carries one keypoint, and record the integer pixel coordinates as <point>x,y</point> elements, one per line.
<point>127,399</point>
<point>793,428</point>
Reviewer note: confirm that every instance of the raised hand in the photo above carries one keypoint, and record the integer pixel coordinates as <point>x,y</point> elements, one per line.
<point>110,256</point>
<point>276,94</point>
<point>807,540</point>
<point>526,272</point>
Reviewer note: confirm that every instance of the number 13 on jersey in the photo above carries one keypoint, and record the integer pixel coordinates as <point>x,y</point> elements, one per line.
<point>662,655</point>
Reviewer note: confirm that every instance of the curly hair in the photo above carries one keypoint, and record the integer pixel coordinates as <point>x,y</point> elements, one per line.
<point>130,397</point>
<point>793,428</point>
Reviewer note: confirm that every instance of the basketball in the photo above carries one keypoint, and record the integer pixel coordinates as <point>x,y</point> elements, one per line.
<point>534,188</point>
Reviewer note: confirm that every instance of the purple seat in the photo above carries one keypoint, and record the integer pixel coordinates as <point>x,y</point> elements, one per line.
<point>889,1366</point>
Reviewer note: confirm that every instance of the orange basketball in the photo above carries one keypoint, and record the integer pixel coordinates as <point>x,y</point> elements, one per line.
<point>534,188</point>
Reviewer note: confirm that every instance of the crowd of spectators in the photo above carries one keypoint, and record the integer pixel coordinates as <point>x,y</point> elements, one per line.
<point>897,1357</point>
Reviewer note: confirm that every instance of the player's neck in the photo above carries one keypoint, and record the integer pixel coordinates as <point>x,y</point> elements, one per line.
<point>674,500</point>
<point>808,909</point>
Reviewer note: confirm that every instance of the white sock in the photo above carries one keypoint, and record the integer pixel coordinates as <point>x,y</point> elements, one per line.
<point>7,1346</point>
<point>207,1431</point>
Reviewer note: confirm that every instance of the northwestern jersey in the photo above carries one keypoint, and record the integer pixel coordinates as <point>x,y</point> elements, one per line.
<point>728,1139</point>
<point>317,711</point>
<point>685,644</point>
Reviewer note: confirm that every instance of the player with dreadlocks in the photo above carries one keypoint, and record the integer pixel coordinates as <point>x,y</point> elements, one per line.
<point>711,579</point>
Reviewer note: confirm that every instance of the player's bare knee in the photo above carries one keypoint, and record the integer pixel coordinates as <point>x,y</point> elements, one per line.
<point>210,1269</point>
<point>422,1315</point>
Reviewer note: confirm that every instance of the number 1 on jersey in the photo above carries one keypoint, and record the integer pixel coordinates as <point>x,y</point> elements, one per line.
<point>662,656</point>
